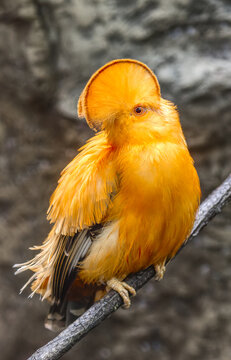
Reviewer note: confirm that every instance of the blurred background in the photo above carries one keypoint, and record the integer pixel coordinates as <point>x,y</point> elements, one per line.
<point>48,50</point>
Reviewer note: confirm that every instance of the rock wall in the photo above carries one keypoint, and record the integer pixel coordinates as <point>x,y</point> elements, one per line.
<point>48,50</point>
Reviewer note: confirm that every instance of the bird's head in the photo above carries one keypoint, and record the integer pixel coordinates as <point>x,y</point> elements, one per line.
<point>123,98</point>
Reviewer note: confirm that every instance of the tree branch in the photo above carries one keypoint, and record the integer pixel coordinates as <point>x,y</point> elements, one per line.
<point>112,301</point>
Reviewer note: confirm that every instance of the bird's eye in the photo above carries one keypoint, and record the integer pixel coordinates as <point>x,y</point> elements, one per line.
<point>139,110</point>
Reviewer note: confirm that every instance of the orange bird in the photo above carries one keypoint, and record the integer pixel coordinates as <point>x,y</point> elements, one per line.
<point>128,199</point>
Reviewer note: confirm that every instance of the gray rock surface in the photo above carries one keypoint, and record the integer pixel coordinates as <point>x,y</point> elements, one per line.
<point>48,50</point>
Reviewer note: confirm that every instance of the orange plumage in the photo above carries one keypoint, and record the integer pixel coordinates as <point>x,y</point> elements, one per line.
<point>129,198</point>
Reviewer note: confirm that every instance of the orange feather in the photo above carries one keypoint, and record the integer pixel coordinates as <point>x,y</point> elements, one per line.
<point>135,177</point>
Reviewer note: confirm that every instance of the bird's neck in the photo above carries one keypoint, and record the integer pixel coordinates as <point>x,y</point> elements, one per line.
<point>122,135</point>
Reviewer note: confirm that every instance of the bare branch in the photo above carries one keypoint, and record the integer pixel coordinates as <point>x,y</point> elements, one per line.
<point>112,301</point>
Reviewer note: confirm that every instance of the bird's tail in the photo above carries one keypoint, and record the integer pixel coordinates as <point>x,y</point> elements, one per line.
<point>79,298</point>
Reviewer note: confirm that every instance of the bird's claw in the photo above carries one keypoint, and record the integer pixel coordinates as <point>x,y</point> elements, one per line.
<point>160,270</point>
<point>123,289</point>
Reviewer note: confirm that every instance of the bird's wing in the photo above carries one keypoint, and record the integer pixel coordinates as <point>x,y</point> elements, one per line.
<point>72,249</point>
<point>85,189</point>
<point>77,208</point>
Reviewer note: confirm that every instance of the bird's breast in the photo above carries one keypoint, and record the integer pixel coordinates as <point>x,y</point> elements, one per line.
<point>151,215</point>
<point>156,204</point>
<point>150,172</point>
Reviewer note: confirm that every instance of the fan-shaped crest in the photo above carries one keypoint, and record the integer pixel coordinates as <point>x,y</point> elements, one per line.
<point>115,87</point>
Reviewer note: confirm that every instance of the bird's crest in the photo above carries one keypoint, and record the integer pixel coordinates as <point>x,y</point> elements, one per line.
<point>116,86</point>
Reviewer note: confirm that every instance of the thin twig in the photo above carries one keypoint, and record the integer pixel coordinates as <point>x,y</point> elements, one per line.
<point>112,301</point>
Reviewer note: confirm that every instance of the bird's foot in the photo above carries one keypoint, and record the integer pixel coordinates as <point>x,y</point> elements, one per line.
<point>123,289</point>
<point>160,270</point>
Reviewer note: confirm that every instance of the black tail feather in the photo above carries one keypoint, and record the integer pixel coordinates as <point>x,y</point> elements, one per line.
<point>62,315</point>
